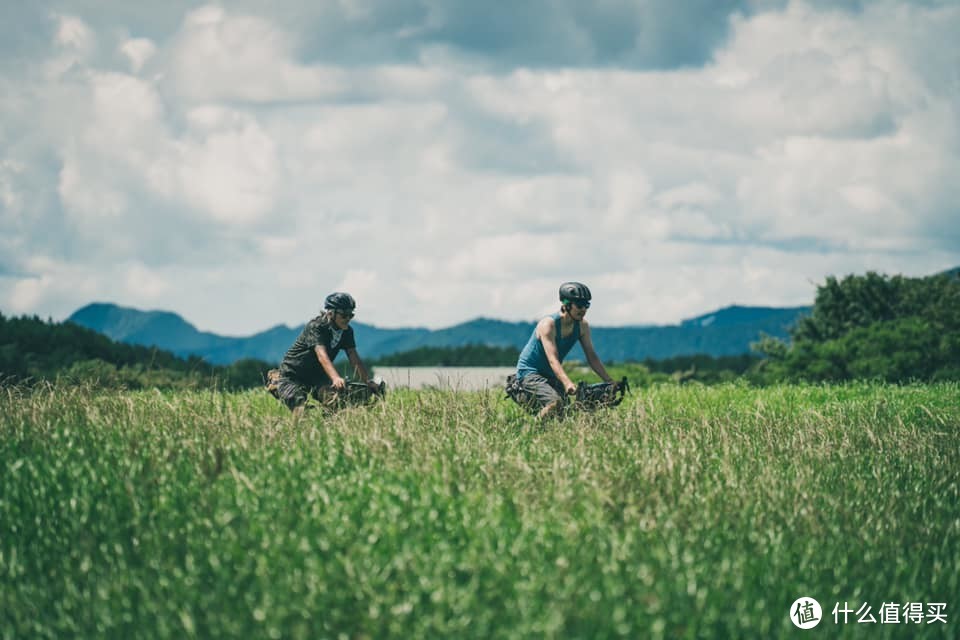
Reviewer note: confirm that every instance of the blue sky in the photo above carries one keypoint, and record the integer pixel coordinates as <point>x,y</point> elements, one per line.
<point>442,161</point>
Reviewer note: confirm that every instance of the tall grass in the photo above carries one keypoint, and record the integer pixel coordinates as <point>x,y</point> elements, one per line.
<point>688,512</point>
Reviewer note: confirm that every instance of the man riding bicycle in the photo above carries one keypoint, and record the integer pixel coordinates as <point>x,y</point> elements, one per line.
<point>308,364</point>
<point>540,375</point>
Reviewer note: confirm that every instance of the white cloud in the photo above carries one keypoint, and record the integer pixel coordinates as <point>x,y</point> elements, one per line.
<point>10,197</point>
<point>244,58</point>
<point>124,158</point>
<point>91,201</point>
<point>144,283</point>
<point>74,44</point>
<point>694,194</point>
<point>54,281</point>
<point>73,34</point>
<point>239,170</point>
<point>138,51</point>
<point>228,168</point>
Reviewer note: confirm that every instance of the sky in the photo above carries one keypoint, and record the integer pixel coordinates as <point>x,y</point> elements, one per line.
<point>443,160</point>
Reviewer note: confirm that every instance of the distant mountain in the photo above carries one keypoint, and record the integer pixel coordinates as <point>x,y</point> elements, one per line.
<point>169,331</point>
<point>148,328</point>
<point>727,331</point>
<point>736,316</point>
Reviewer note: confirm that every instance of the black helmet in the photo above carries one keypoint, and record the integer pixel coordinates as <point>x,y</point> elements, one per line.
<point>574,291</point>
<point>339,301</point>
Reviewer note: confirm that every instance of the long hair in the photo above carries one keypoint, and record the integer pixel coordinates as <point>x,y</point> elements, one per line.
<point>326,317</point>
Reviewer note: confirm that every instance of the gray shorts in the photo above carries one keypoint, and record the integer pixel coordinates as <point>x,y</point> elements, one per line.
<point>541,390</point>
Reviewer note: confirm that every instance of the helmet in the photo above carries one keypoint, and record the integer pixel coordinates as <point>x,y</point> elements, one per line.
<point>574,291</point>
<point>339,301</point>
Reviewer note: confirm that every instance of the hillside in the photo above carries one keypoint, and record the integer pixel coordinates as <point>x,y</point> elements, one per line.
<point>727,331</point>
<point>32,350</point>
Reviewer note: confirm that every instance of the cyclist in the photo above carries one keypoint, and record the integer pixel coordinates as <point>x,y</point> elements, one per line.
<point>540,375</point>
<point>308,364</point>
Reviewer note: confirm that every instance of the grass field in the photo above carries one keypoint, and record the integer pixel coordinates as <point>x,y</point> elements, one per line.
<point>688,512</point>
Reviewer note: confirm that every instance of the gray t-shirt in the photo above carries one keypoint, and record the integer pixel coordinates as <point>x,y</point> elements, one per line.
<point>300,363</point>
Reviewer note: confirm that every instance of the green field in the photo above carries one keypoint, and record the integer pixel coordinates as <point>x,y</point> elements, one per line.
<point>688,512</point>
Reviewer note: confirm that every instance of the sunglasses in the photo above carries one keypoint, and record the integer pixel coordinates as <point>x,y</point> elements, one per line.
<point>583,304</point>
<point>346,314</point>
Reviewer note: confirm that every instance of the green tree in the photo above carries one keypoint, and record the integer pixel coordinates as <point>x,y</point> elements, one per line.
<point>872,326</point>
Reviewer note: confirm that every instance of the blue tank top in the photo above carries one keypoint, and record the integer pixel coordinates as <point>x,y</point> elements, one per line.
<point>533,359</point>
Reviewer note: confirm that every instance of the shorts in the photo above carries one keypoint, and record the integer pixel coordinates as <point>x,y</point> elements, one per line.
<point>293,394</point>
<point>541,390</point>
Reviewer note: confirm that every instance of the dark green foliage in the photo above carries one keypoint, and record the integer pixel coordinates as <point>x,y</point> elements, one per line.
<point>700,368</point>
<point>32,350</point>
<point>895,329</point>
<point>471,355</point>
<point>704,368</point>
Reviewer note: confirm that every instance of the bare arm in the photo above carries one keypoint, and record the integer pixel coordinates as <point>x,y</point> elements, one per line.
<point>357,363</point>
<point>336,381</point>
<point>592,358</point>
<point>547,334</point>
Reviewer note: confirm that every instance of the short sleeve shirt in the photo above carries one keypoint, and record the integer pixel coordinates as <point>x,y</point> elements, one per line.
<point>300,363</point>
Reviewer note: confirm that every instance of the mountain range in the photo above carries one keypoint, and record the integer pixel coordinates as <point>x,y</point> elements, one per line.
<point>727,331</point>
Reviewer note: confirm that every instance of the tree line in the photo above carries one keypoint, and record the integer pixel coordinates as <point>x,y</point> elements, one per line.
<point>895,329</point>
<point>33,350</point>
